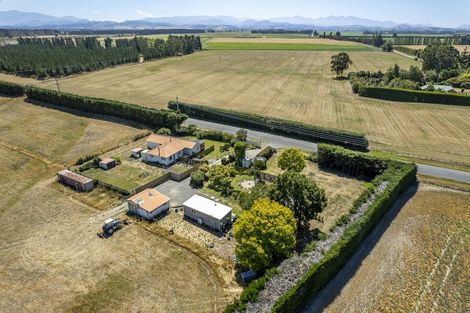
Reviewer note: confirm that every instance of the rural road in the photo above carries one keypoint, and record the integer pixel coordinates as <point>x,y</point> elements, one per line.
<point>278,141</point>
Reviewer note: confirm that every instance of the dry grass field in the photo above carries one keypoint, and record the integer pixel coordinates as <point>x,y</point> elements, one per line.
<point>340,190</point>
<point>51,259</point>
<point>422,261</point>
<point>282,40</point>
<point>296,85</point>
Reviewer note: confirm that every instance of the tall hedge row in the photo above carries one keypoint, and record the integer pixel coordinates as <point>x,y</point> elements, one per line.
<point>405,95</point>
<point>132,112</point>
<point>344,138</point>
<point>399,176</point>
<point>11,89</point>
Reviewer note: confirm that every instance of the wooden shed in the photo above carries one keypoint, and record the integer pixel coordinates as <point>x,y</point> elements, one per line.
<point>77,181</point>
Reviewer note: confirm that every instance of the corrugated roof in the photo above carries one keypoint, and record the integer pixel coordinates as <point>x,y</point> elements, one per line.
<point>149,199</point>
<point>168,145</point>
<point>74,176</point>
<point>207,206</point>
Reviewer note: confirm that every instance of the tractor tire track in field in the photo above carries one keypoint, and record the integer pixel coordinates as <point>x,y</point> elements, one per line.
<point>426,288</point>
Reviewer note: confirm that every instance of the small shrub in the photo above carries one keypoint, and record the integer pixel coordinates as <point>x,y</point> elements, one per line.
<point>197,179</point>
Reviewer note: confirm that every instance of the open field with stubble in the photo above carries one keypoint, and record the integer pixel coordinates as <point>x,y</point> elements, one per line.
<point>422,261</point>
<point>51,259</point>
<point>295,85</point>
<point>420,47</point>
<point>301,44</point>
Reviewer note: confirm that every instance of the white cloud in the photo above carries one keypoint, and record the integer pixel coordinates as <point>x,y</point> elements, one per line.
<point>95,12</point>
<point>143,13</point>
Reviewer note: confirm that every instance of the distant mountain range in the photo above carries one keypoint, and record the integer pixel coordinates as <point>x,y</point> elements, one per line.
<point>17,19</point>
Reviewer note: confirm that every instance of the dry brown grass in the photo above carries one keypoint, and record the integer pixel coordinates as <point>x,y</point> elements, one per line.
<point>58,136</point>
<point>51,259</point>
<point>296,85</point>
<point>421,263</point>
<point>340,190</point>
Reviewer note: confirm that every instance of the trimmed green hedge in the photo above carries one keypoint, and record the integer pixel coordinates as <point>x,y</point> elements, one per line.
<point>132,112</point>
<point>399,176</point>
<point>344,138</point>
<point>405,95</point>
<point>11,89</point>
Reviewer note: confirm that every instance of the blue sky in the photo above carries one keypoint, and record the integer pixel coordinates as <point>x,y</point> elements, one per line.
<point>440,13</point>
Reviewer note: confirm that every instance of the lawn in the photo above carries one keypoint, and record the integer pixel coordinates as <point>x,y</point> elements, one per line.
<point>216,154</point>
<point>126,176</point>
<point>295,85</point>
<point>421,262</point>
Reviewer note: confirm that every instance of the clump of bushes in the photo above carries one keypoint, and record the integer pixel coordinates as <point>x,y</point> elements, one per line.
<point>197,179</point>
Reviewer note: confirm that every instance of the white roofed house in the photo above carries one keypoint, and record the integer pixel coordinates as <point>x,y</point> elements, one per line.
<point>166,150</point>
<point>207,212</point>
<point>148,204</point>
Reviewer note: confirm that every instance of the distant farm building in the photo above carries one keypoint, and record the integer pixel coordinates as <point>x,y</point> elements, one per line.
<point>167,150</point>
<point>148,204</point>
<point>78,182</point>
<point>107,163</point>
<point>136,153</point>
<point>207,212</point>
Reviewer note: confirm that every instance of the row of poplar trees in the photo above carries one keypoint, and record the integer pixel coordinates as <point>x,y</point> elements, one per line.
<point>61,56</point>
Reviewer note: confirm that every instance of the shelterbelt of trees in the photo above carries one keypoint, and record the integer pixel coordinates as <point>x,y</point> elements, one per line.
<point>61,56</point>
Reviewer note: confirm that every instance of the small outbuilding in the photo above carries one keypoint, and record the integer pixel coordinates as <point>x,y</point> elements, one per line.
<point>136,153</point>
<point>77,181</point>
<point>207,212</point>
<point>148,203</point>
<point>107,163</point>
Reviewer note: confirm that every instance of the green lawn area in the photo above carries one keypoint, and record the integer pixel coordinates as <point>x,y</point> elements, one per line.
<point>179,168</point>
<point>216,154</point>
<point>285,46</point>
<point>126,176</point>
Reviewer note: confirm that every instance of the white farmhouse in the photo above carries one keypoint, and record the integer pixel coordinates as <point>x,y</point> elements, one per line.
<point>207,212</point>
<point>148,203</point>
<point>166,150</point>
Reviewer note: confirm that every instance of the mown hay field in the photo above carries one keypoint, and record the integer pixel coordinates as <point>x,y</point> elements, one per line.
<point>51,259</point>
<point>301,44</point>
<point>420,264</point>
<point>296,85</point>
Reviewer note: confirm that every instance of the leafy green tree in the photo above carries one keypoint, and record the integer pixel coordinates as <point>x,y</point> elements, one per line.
<point>292,160</point>
<point>438,56</point>
<point>415,74</point>
<point>242,135</point>
<point>465,58</point>
<point>340,63</point>
<point>240,151</point>
<point>387,46</point>
<point>265,235</point>
<point>164,131</point>
<point>301,195</point>
<point>220,179</point>
<point>247,198</point>
<point>197,179</point>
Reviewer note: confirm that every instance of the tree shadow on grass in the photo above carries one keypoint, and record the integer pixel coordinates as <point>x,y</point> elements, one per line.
<point>327,294</point>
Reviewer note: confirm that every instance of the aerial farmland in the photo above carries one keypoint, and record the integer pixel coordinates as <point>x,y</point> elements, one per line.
<point>211,163</point>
